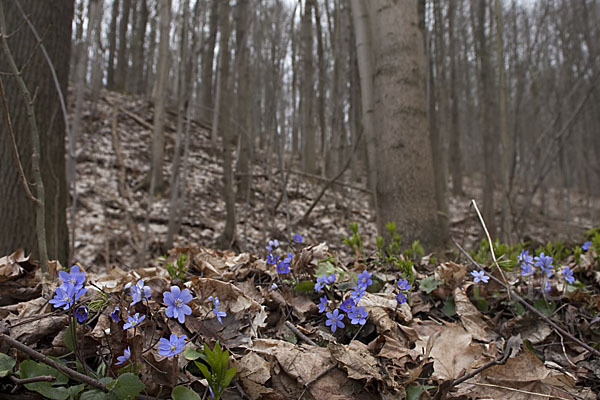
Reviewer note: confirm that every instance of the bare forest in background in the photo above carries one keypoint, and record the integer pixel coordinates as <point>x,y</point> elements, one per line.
<point>506,111</point>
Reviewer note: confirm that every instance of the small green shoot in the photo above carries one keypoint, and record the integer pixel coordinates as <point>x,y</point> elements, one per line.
<point>214,368</point>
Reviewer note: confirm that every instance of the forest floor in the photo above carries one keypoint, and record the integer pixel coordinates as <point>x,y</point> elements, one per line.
<point>453,339</point>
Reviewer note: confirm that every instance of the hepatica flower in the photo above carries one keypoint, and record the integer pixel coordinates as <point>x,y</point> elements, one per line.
<point>297,238</point>
<point>323,305</point>
<point>403,284</point>
<point>273,244</point>
<point>364,279</point>
<point>133,321</point>
<point>358,315</point>
<point>401,298</point>
<point>358,292</point>
<point>171,347</point>
<point>176,301</point>
<point>125,357</point>
<point>215,310</point>
<point>586,246</point>
<point>334,319</point>
<point>283,267</point>
<point>66,295</point>
<point>81,313</point>
<point>115,314</point>
<point>347,304</point>
<point>324,280</point>
<point>74,276</point>
<point>526,263</point>
<point>138,291</point>
<point>544,263</point>
<point>480,276</point>
<point>568,274</point>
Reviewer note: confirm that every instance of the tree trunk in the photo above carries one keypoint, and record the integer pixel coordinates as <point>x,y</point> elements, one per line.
<point>96,12</point>
<point>366,62</point>
<point>17,213</point>
<point>321,89</point>
<point>122,56</point>
<point>405,180</point>
<point>206,78</point>
<point>112,45</point>
<point>227,239</point>
<point>506,149</point>
<point>160,98</point>
<point>308,93</point>
<point>455,166</point>
<point>137,62</point>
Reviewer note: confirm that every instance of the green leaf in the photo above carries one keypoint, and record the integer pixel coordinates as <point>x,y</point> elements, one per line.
<point>127,386</point>
<point>204,369</point>
<point>413,392</point>
<point>75,390</point>
<point>30,369</point>
<point>184,393</point>
<point>229,374</point>
<point>69,338</point>
<point>7,364</point>
<point>546,308</point>
<point>449,307</point>
<point>193,354</point>
<point>305,287</point>
<point>428,284</point>
<point>93,394</point>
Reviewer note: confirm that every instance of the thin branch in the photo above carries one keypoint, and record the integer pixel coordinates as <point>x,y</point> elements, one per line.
<point>297,332</point>
<point>54,364</point>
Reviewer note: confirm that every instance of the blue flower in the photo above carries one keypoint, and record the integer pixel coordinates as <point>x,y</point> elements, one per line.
<point>273,286</point>
<point>289,258</point>
<point>138,291</point>
<point>358,292</point>
<point>215,310</point>
<point>171,347</point>
<point>272,259</point>
<point>364,279</point>
<point>358,315</point>
<point>125,357</point>
<point>81,313</point>
<point>401,298</point>
<point>480,276</point>
<point>568,274</point>
<point>297,238</point>
<point>273,244</point>
<point>133,321</point>
<point>547,287</point>
<point>586,246</point>
<point>66,295</point>
<point>115,314</point>
<point>524,257</point>
<point>320,284</point>
<point>323,304</point>
<point>176,301</point>
<point>403,284</point>
<point>527,269</point>
<point>329,279</point>
<point>334,319</point>
<point>347,304</point>
<point>544,262</point>
<point>283,267</point>
<point>74,276</point>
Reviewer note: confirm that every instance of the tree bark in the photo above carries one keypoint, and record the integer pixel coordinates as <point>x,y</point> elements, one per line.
<point>112,45</point>
<point>206,78</point>
<point>160,98</point>
<point>308,92</point>
<point>122,56</point>
<point>17,212</point>
<point>405,181</point>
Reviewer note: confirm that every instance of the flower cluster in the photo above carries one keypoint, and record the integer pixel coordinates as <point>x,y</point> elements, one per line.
<point>71,288</point>
<point>404,287</point>
<point>529,264</point>
<point>480,276</point>
<point>357,314</point>
<point>282,265</point>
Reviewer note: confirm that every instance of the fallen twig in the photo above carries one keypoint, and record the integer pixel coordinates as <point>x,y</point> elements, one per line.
<point>301,335</point>
<point>48,361</point>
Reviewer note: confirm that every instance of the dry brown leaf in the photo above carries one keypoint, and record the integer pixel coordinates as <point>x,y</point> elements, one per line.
<point>451,273</point>
<point>454,352</point>
<point>356,359</point>
<point>9,265</point>
<point>472,320</point>
<point>253,372</point>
